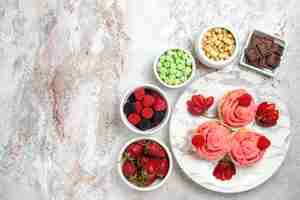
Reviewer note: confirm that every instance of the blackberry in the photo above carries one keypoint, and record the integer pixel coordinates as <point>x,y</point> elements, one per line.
<point>131,98</point>
<point>145,124</point>
<point>158,117</point>
<point>148,91</point>
<point>129,108</point>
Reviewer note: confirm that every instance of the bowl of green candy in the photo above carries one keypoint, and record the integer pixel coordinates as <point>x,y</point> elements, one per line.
<point>174,68</point>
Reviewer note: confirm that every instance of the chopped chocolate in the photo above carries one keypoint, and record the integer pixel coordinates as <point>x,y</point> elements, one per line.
<point>268,41</point>
<point>277,49</point>
<point>252,55</point>
<point>263,52</point>
<point>263,63</point>
<point>273,61</point>
<point>263,49</point>
<point>255,40</point>
<point>257,64</point>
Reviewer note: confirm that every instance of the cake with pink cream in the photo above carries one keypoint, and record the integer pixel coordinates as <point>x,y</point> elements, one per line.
<point>248,147</point>
<point>211,140</point>
<point>237,108</point>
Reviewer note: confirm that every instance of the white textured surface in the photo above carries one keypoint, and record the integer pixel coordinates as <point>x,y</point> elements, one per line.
<point>63,69</point>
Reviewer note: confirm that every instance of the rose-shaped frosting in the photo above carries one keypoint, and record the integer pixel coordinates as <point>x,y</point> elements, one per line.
<point>248,147</point>
<point>211,140</point>
<point>233,113</point>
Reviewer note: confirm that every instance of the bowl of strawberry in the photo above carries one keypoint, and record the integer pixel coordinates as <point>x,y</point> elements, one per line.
<point>144,163</point>
<point>145,109</point>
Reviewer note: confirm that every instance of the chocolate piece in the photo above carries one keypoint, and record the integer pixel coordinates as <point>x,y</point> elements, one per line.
<point>273,61</point>
<point>257,64</point>
<point>263,63</point>
<point>255,40</point>
<point>263,49</point>
<point>263,52</point>
<point>268,41</point>
<point>277,49</point>
<point>252,55</point>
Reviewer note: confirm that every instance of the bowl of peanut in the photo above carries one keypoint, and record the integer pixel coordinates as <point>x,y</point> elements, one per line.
<point>216,47</point>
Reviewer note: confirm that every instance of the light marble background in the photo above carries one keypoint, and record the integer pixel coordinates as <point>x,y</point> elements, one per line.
<point>64,65</point>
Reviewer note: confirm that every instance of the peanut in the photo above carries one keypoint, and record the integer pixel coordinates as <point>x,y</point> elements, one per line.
<point>218,44</point>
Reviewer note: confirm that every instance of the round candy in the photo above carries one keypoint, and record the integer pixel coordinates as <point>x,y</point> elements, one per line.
<point>175,67</point>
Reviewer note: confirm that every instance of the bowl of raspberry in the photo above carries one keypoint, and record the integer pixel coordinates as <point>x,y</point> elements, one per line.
<point>145,163</point>
<point>145,109</point>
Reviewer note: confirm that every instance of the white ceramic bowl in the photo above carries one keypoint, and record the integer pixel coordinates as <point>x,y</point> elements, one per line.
<point>154,129</point>
<point>179,85</point>
<point>158,183</point>
<point>209,62</point>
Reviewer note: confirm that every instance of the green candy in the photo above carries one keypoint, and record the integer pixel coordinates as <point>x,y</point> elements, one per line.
<point>174,67</point>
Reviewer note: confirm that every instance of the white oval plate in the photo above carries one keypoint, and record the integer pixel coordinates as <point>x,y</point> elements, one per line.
<point>200,171</point>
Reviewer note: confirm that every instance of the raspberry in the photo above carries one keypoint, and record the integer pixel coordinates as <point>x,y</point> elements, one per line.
<point>263,143</point>
<point>245,100</point>
<point>138,107</point>
<point>139,94</point>
<point>134,118</point>
<point>160,105</point>
<point>148,100</point>
<point>147,113</point>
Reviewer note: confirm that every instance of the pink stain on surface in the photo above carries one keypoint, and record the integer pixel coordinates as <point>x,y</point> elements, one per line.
<point>57,91</point>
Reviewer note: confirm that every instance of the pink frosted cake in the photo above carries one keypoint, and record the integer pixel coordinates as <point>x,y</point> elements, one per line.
<point>237,108</point>
<point>248,147</point>
<point>211,140</point>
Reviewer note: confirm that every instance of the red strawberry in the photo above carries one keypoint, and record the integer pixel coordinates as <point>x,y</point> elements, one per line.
<point>267,114</point>
<point>148,100</point>
<point>151,166</point>
<point>199,104</point>
<point>139,94</point>
<point>155,150</point>
<point>193,109</point>
<point>164,168</point>
<point>134,150</point>
<point>147,113</point>
<point>150,178</point>
<point>129,169</point>
<point>245,100</point>
<point>209,101</point>
<point>134,118</point>
<point>263,143</point>
<point>199,100</point>
<point>160,104</point>
<point>224,170</point>
<point>265,106</point>
<point>143,161</point>
<point>198,140</point>
<point>141,142</point>
<point>138,107</point>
